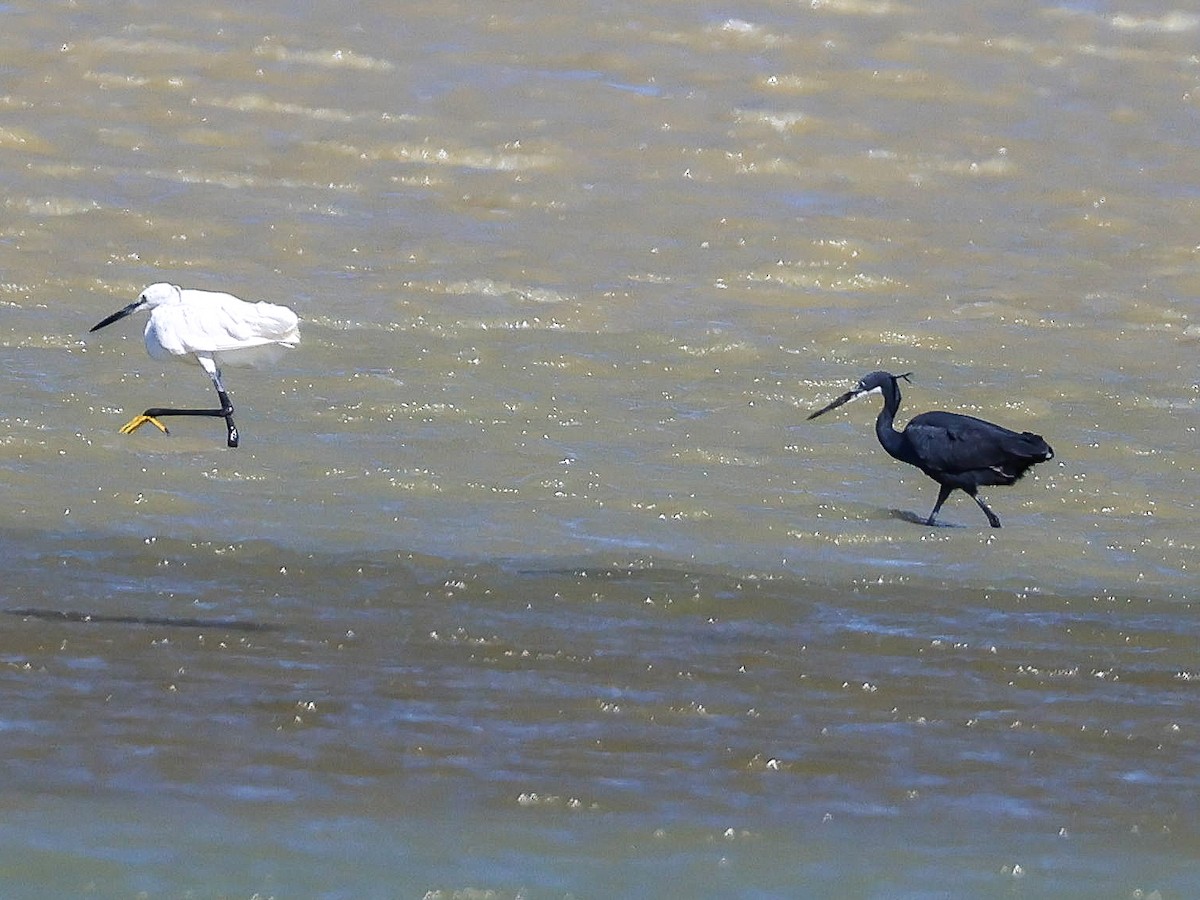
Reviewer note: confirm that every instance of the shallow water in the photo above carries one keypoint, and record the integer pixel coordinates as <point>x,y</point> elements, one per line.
<point>529,576</point>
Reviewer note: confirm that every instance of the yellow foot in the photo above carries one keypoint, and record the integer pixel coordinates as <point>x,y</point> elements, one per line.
<point>138,421</point>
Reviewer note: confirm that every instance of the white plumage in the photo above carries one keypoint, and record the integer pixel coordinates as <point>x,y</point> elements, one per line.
<point>214,324</point>
<point>217,329</point>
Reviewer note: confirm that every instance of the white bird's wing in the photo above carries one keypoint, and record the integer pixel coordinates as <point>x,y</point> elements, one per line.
<point>211,322</point>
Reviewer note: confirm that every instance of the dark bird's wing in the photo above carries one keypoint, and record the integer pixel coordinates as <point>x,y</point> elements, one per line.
<point>953,444</point>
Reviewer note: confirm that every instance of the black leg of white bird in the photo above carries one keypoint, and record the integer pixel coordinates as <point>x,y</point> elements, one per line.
<point>153,414</point>
<point>210,366</point>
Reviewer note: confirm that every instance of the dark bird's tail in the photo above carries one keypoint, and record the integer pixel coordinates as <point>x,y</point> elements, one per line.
<point>1022,452</point>
<point>1034,447</point>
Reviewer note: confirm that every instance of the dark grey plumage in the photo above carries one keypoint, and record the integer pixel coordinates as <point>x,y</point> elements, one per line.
<point>958,452</point>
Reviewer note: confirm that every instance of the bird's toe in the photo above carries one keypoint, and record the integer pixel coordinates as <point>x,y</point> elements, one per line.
<point>138,421</point>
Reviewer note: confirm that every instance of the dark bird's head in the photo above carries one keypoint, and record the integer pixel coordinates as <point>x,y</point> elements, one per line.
<point>154,295</point>
<point>876,383</point>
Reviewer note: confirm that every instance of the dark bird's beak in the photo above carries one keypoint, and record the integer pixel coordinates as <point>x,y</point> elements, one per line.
<point>119,314</point>
<point>840,401</point>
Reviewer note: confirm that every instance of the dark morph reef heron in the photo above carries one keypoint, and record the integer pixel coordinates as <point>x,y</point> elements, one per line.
<point>958,452</point>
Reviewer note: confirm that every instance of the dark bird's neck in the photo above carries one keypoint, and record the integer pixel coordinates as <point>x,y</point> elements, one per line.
<point>891,439</point>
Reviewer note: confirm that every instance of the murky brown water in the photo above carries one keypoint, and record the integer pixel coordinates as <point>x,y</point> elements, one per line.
<point>530,576</point>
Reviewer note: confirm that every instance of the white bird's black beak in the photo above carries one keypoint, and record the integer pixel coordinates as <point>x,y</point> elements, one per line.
<point>119,314</point>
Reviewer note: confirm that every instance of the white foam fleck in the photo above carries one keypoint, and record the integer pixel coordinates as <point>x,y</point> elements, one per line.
<point>1174,22</point>
<point>54,206</point>
<point>259,103</point>
<point>859,7</point>
<point>779,121</point>
<point>486,287</point>
<point>329,59</point>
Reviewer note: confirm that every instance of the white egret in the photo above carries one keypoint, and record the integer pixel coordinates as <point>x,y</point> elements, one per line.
<point>217,329</point>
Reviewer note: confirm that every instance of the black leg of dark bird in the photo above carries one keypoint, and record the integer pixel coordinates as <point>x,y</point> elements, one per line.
<point>942,495</point>
<point>993,519</point>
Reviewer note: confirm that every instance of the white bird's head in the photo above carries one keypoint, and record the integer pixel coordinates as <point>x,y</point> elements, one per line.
<point>159,293</point>
<point>155,295</point>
